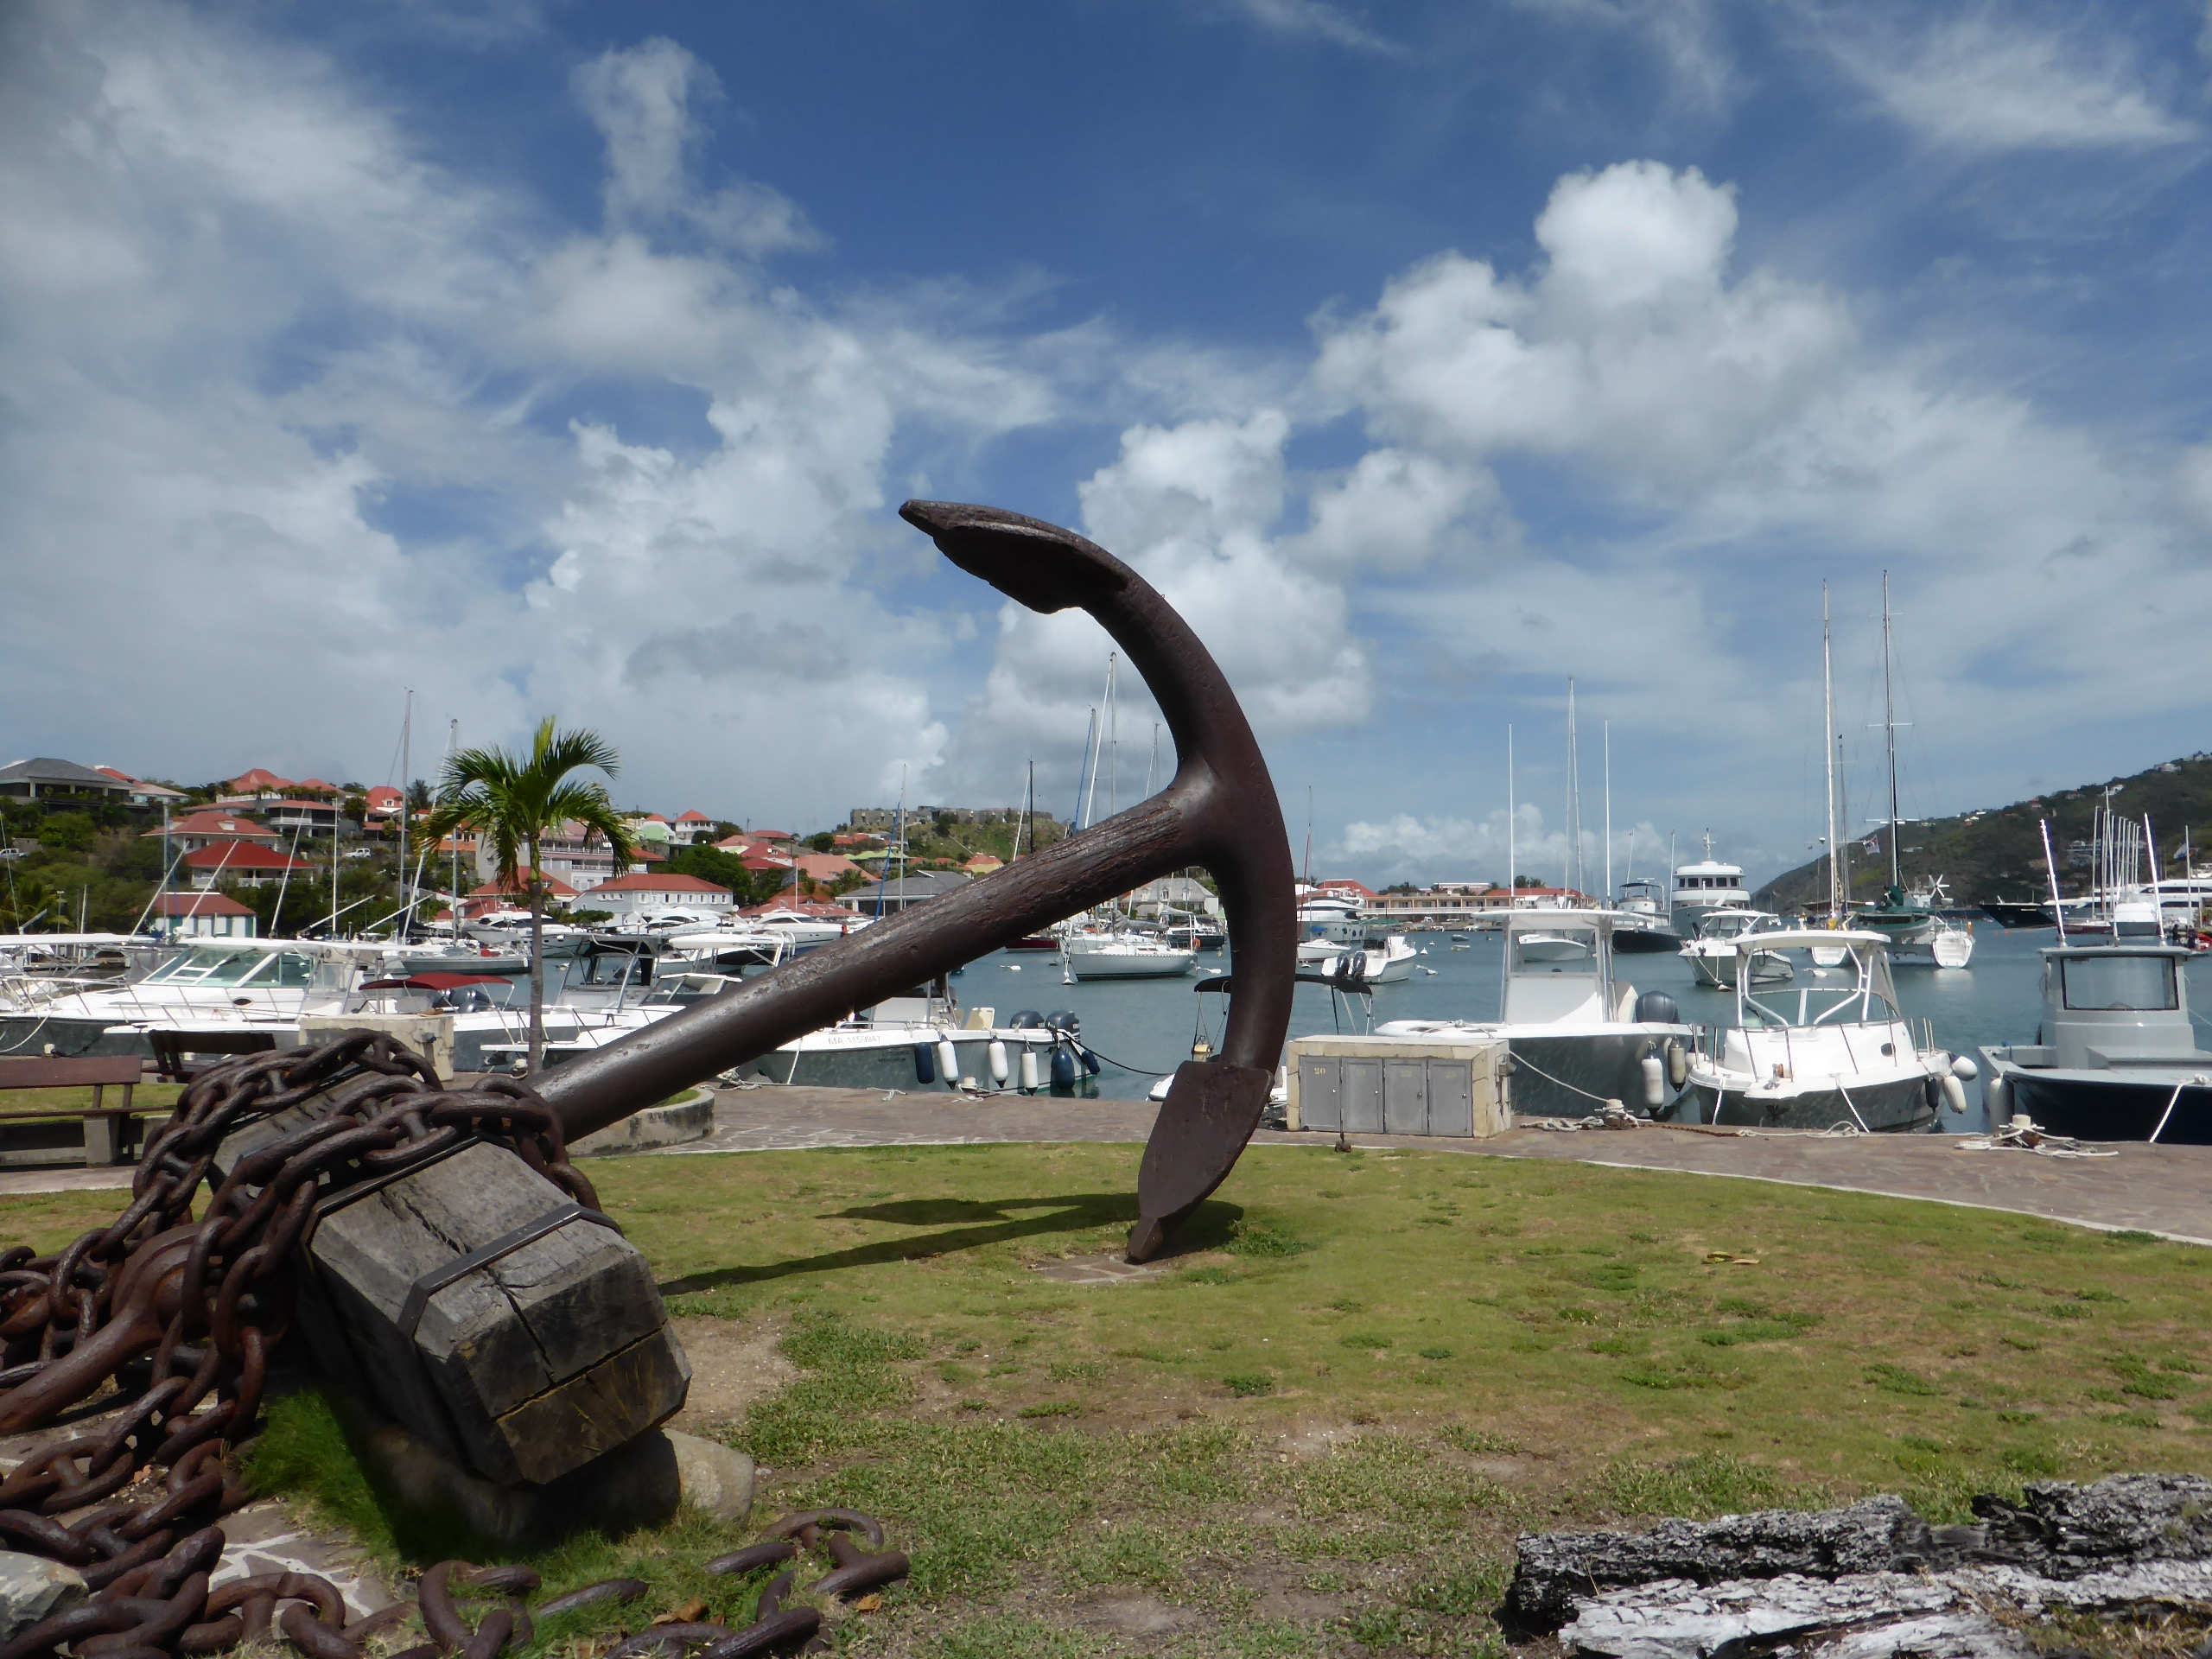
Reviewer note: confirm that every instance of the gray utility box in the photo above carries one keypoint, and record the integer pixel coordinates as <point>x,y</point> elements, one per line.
<point>1399,1086</point>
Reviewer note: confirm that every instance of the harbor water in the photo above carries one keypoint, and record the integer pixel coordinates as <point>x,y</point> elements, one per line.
<point>1143,1027</point>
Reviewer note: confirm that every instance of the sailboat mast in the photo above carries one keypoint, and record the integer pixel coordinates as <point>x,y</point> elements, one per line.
<point>1890,736</point>
<point>1829,737</point>
<point>453,747</point>
<point>1608,811</point>
<point>1571,869</point>
<point>1512,882</point>
<point>406,811</point>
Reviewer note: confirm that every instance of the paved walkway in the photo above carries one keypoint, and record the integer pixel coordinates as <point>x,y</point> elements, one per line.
<point>2165,1190</point>
<point>2157,1189</point>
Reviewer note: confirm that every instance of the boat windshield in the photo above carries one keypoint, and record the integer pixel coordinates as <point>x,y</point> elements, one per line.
<point>2116,984</point>
<point>208,968</point>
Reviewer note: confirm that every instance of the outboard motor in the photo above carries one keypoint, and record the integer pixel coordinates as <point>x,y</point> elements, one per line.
<point>1065,1020</point>
<point>1658,1008</point>
<point>1027,1019</point>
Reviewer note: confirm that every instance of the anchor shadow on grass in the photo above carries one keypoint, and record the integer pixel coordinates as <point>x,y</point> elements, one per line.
<point>964,1224</point>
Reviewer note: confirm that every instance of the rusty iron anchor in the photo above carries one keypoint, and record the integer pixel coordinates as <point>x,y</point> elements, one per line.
<point>1219,811</point>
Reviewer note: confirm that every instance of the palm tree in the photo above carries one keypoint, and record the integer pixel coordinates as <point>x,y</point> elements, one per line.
<point>512,805</point>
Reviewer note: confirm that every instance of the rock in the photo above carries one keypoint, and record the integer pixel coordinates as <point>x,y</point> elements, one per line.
<point>32,1588</point>
<point>712,1477</point>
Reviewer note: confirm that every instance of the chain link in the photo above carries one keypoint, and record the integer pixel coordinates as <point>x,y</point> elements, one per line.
<point>181,1314</point>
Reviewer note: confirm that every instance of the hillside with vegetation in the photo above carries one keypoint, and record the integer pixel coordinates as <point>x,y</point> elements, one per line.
<point>1996,853</point>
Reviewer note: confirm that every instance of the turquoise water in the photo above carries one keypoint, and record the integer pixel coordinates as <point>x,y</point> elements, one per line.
<point>1147,1025</point>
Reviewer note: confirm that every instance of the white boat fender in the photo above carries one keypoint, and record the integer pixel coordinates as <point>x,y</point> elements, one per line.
<point>1954,1094</point>
<point>948,1061</point>
<point>1000,1069</point>
<point>1964,1069</point>
<point>1028,1070</point>
<point>1654,1080</point>
<point>1678,1063</point>
<point>1996,1098</point>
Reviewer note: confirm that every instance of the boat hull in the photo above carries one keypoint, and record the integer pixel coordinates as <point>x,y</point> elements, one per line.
<point>891,1064</point>
<point>1898,1106</point>
<point>2090,1106</point>
<point>1644,941</point>
<point>1166,964</point>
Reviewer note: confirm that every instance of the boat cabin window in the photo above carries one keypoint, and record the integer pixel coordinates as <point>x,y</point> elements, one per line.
<point>1555,950</point>
<point>2115,984</point>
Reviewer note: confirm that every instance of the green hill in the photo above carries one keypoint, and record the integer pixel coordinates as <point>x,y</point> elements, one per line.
<point>1997,852</point>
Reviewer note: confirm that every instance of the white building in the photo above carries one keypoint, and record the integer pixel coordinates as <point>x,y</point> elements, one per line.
<point>627,895</point>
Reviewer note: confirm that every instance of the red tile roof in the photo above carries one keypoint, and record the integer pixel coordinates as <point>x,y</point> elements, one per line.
<point>555,888</point>
<point>260,778</point>
<point>240,856</point>
<point>659,884</point>
<point>230,825</point>
<point>692,816</point>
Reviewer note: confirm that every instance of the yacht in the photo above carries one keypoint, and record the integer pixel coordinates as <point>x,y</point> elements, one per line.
<point>1578,1036</point>
<point>2116,1058</point>
<point>209,982</point>
<point>1714,957</point>
<point>1707,885</point>
<point>1641,923</point>
<point>1820,1056</point>
<point>1123,954</point>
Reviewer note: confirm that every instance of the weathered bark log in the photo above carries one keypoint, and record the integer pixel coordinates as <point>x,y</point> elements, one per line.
<point>2059,1530</point>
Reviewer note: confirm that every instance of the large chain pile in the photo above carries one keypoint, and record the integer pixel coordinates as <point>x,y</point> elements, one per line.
<point>179,1315</point>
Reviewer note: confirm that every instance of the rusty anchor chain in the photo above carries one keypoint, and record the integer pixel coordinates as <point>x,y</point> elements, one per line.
<point>183,1313</point>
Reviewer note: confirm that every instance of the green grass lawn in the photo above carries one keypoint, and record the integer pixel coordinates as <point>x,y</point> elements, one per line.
<point>1318,1429</point>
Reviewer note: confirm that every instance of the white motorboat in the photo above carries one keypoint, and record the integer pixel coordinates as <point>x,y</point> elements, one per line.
<point>1122,955</point>
<point>1381,959</point>
<point>1714,957</point>
<point>1555,947</point>
<point>209,982</point>
<point>1820,1056</point>
<point>923,1039</point>
<point>1578,1037</point>
<point>2116,1056</point>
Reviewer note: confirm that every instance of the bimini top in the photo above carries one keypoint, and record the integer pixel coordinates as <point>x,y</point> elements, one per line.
<point>1804,938</point>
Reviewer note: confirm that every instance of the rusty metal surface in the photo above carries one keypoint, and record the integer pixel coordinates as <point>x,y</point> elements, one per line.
<point>1218,811</point>
<point>180,1316</point>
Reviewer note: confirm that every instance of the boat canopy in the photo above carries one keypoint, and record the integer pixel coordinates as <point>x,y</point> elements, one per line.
<point>1871,998</point>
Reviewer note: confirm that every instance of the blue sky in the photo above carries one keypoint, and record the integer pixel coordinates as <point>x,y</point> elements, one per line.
<point>574,358</point>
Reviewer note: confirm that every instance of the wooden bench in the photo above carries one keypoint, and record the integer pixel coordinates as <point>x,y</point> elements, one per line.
<point>109,1131</point>
<point>172,1049</point>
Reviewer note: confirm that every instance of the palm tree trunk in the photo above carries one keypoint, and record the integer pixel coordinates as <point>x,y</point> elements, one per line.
<point>536,962</point>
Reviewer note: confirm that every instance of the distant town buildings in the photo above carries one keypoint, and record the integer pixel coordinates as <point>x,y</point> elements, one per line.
<point>885,819</point>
